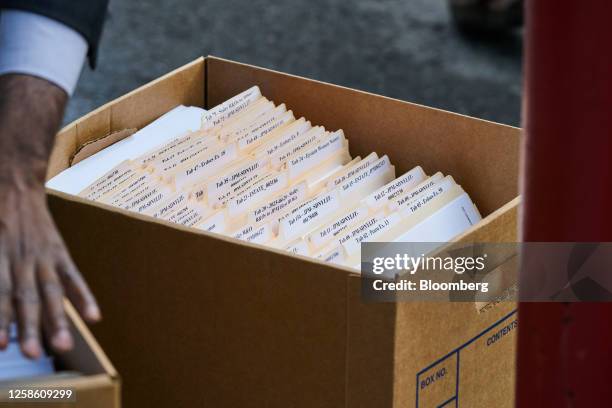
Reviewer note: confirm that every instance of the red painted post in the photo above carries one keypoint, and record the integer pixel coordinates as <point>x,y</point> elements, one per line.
<point>565,350</point>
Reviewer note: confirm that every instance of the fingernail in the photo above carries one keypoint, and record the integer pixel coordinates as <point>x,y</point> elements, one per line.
<point>31,348</point>
<point>4,339</point>
<point>62,340</point>
<point>92,313</point>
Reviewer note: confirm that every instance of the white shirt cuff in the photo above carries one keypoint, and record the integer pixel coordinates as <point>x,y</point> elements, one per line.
<point>37,45</point>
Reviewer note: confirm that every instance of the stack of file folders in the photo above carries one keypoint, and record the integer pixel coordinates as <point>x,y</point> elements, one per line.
<point>251,170</point>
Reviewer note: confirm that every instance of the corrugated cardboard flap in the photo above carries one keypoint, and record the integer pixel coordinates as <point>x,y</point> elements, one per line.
<point>92,147</point>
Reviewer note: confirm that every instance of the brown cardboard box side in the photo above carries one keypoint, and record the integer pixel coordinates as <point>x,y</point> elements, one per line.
<point>223,323</point>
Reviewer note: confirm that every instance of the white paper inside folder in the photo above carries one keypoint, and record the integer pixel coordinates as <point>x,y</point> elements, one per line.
<point>169,126</point>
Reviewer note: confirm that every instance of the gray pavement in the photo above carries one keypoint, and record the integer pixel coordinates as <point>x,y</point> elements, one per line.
<point>405,49</point>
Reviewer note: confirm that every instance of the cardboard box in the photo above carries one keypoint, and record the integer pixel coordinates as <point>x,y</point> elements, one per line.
<point>195,319</point>
<point>98,387</point>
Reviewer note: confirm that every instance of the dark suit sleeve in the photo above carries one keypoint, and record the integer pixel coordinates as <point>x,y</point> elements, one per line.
<point>85,16</point>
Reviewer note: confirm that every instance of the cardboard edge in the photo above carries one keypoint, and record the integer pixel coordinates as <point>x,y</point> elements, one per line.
<point>92,343</point>
<point>205,90</point>
<point>88,382</point>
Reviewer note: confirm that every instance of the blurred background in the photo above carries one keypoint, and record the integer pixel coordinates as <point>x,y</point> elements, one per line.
<point>406,49</point>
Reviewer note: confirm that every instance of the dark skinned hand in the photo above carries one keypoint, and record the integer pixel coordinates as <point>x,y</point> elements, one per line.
<point>36,270</point>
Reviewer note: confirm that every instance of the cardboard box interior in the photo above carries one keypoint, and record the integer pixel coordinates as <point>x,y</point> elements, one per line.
<point>193,318</point>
